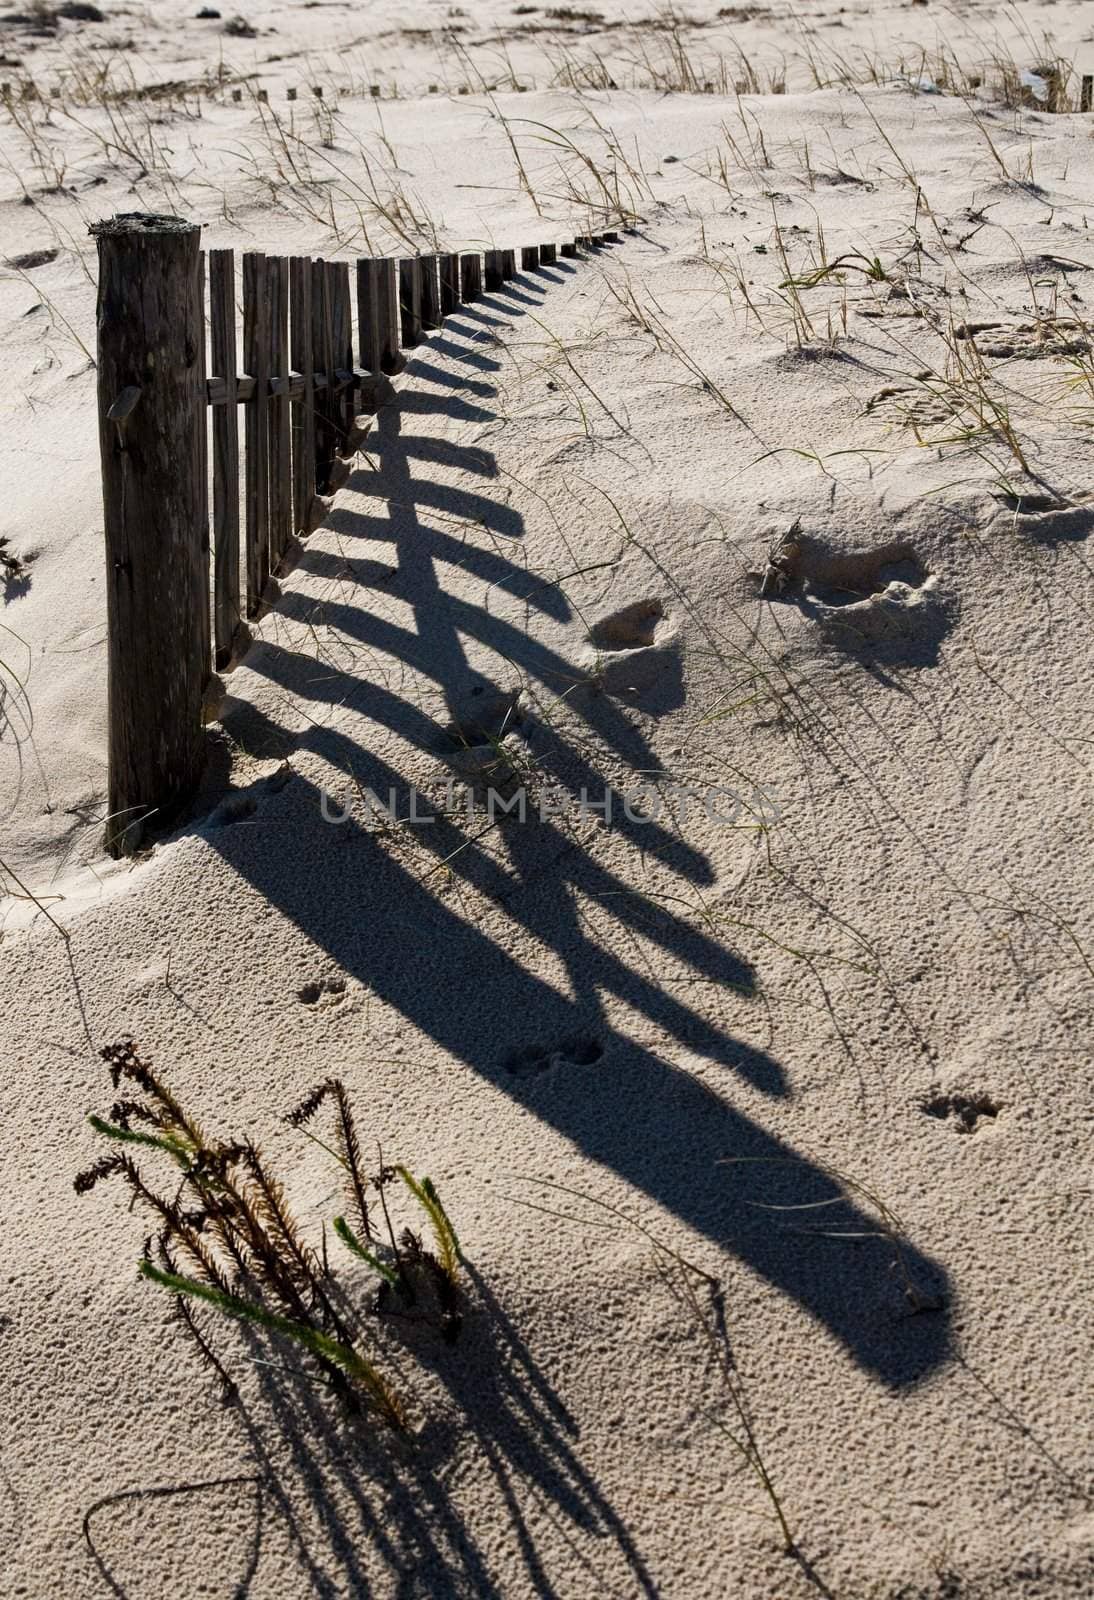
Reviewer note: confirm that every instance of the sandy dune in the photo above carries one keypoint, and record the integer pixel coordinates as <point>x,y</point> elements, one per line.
<point>768,529</point>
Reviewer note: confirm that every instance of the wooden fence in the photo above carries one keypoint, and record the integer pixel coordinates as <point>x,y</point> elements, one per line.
<point>193,534</point>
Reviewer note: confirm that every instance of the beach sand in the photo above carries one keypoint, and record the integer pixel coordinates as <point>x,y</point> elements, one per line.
<point>754,551</point>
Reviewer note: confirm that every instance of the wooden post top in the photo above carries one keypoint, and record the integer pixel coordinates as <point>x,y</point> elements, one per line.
<point>140,222</point>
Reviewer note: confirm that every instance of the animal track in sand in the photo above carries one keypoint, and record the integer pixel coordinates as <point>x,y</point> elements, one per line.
<point>580,1050</point>
<point>328,989</point>
<point>1026,341</point>
<point>964,1111</point>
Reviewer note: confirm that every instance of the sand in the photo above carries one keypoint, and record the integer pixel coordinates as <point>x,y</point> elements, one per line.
<point>808,568</point>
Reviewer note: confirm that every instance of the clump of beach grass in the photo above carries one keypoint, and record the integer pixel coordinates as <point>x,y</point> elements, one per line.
<point>227,1238</point>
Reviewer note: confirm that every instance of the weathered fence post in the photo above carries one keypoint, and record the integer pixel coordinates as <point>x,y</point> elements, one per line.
<point>392,360</point>
<point>222,326</point>
<point>303,411</point>
<point>279,442</point>
<point>429,270</point>
<point>256,322</point>
<point>471,277</point>
<point>151,433</point>
<point>410,301</point>
<point>450,284</point>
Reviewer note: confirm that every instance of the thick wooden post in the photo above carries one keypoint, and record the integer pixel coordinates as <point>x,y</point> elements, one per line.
<point>529,258</point>
<point>495,269</point>
<point>548,254</point>
<point>151,433</point>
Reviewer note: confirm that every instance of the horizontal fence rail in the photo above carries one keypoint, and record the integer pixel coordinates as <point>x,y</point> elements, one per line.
<point>314,346</point>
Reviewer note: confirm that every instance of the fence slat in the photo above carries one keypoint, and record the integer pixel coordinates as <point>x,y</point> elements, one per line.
<point>222,326</point>
<point>548,254</point>
<point>342,307</point>
<point>429,269</point>
<point>280,435</point>
<point>256,437</point>
<point>368,317</point>
<point>450,284</point>
<point>410,301</point>
<point>151,423</point>
<point>392,359</point>
<point>508,263</point>
<point>494,273</point>
<point>205,615</point>
<point>303,410</point>
<point>470,276</point>
<point>338,402</point>
<point>323,354</point>
<point>529,258</point>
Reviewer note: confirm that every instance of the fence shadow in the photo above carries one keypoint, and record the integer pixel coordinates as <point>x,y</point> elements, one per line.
<point>382,919</point>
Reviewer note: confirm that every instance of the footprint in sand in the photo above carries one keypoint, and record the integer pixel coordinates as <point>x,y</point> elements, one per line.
<point>909,406</point>
<point>1045,518</point>
<point>1026,341</point>
<point>580,1050</point>
<point>482,716</point>
<point>635,656</point>
<point>486,740</point>
<point>881,599</point>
